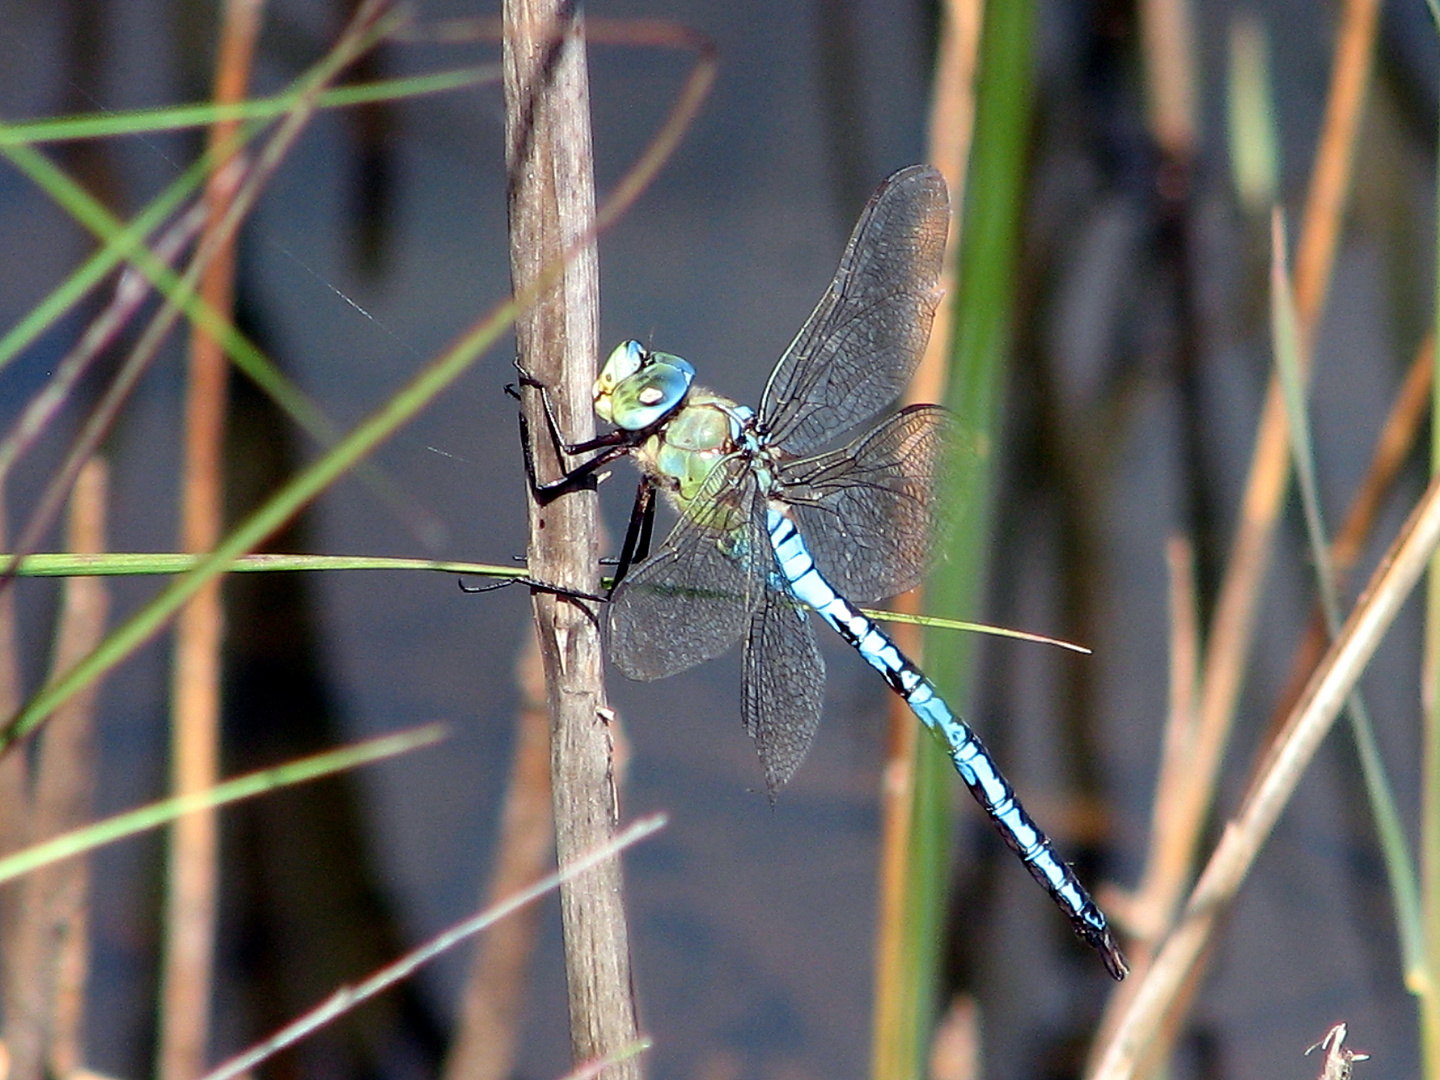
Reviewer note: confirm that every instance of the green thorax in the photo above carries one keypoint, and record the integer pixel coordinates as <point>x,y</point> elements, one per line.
<point>687,430</point>
<point>683,452</point>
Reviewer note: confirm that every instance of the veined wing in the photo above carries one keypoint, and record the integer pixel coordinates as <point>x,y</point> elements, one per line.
<point>691,600</point>
<point>860,345</point>
<point>784,686</point>
<point>867,511</point>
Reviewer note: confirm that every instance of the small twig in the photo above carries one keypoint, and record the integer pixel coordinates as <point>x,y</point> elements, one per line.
<point>346,998</point>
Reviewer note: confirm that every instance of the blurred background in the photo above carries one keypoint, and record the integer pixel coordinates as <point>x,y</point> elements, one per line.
<point>1139,361</point>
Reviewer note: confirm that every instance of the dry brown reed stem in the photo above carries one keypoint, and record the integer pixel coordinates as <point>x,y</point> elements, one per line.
<point>1147,912</point>
<point>952,117</point>
<point>40,960</point>
<point>1284,765</point>
<point>193,862</point>
<point>552,213</point>
<point>1168,42</point>
<point>1233,622</point>
<point>488,1032</point>
<point>1397,440</point>
<point>1189,795</point>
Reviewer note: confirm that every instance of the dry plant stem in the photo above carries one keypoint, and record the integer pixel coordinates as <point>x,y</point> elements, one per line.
<point>52,901</point>
<point>348,997</point>
<point>1170,75</point>
<point>1392,448</point>
<point>1285,764</point>
<point>484,1045</point>
<point>1233,623</point>
<point>1147,912</point>
<point>952,118</point>
<point>190,901</point>
<point>548,158</point>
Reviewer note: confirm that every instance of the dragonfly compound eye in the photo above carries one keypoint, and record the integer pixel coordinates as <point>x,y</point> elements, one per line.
<point>649,395</point>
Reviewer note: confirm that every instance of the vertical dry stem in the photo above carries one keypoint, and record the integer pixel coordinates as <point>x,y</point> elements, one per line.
<point>50,924</point>
<point>484,1047</point>
<point>195,680</point>
<point>552,204</point>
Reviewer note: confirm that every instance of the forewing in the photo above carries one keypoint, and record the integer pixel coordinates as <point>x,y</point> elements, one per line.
<point>692,598</point>
<point>860,345</point>
<point>869,511</point>
<point>783,686</point>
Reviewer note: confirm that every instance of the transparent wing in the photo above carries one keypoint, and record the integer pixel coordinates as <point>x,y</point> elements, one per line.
<point>860,345</point>
<point>868,511</point>
<point>784,686</point>
<point>692,599</point>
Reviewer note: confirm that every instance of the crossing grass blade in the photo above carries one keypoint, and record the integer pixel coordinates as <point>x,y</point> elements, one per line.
<point>160,813</point>
<point>1394,845</point>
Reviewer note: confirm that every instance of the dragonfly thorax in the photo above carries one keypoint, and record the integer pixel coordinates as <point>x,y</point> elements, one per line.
<point>691,442</point>
<point>638,388</point>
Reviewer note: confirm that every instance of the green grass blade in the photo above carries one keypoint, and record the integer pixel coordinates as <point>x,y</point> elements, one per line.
<point>984,303</point>
<point>207,114</point>
<point>265,521</point>
<point>1254,143</point>
<point>1399,866</point>
<point>142,563</point>
<point>167,810</point>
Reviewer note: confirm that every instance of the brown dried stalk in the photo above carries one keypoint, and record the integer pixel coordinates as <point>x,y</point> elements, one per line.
<point>551,197</point>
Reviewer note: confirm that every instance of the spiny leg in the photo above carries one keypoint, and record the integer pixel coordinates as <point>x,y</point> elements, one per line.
<point>637,533</point>
<point>613,444</point>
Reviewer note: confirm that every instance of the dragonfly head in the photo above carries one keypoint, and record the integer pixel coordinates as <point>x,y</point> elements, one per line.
<point>638,388</point>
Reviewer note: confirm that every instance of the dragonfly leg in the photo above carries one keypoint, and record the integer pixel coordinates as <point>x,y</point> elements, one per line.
<point>612,445</point>
<point>535,584</point>
<point>637,533</point>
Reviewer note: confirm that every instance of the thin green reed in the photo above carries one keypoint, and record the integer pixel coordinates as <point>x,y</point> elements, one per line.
<point>983,306</point>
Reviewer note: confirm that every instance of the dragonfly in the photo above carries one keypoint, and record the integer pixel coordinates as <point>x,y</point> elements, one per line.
<point>776,525</point>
